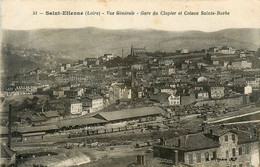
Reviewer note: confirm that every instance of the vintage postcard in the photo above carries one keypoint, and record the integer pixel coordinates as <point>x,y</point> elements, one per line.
<point>110,83</point>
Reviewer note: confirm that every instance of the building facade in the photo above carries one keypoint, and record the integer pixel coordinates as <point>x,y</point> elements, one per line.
<point>217,92</point>
<point>223,148</point>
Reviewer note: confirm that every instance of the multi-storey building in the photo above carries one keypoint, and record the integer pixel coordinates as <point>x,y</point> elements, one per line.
<point>174,100</point>
<point>217,92</point>
<point>75,107</point>
<point>97,102</point>
<point>221,147</point>
<point>201,95</point>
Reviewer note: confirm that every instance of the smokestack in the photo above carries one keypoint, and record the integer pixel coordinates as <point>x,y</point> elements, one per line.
<point>176,158</point>
<point>9,126</point>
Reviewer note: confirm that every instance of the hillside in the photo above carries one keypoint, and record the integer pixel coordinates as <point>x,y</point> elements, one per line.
<point>94,42</point>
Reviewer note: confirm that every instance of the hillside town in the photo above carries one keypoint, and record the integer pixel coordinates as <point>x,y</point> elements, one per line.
<point>182,108</point>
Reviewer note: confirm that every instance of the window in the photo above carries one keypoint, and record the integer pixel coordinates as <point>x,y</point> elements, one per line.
<point>190,159</point>
<point>226,138</point>
<point>233,152</point>
<point>247,149</point>
<point>240,151</point>
<point>207,156</point>
<point>198,157</point>
<point>214,155</point>
<point>247,164</point>
<point>233,138</point>
<point>227,155</point>
<point>240,165</point>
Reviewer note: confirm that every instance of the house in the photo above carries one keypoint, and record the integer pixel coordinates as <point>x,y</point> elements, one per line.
<point>8,156</point>
<point>75,107</point>
<point>247,89</point>
<point>64,87</point>
<point>168,90</point>
<point>68,65</point>
<point>253,81</point>
<point>201,95</point>
<point>217,92</point>
<point>137,67</point>
<point>215,62</point>
<point>108,57</point>
<point>182,51</point>
<point>214,49</point>
<point>90,61</point>
<point>96,101</point>
<point>26,88</point>
<point>174,100</point>
<point>216,147</point>
<point>58,92</point>
<point>228,50</point>
<point>76,92</point>
<point>160,98</point>
<point>241,65</point>
<point>166,62</point>
<point>117,92</point>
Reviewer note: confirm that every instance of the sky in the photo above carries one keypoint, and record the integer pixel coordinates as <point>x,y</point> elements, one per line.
<point>18,14</point>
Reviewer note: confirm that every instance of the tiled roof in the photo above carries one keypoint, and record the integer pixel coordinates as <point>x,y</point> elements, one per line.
<point>191,142</point>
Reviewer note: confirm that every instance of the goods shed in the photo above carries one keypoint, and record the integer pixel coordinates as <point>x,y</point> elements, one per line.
<point>150,113</point>
<point>80,122</point>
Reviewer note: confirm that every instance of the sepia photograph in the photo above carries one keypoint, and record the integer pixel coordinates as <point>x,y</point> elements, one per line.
<point>110,83</point>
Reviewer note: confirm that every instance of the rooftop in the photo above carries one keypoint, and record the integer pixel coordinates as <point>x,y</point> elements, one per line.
<point>130,113</point>
<point>191,142</point>
<point>6,152</point>
<point>31,129</point>
<point>79,121</point>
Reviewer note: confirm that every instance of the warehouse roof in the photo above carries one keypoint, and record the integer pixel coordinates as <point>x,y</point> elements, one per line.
<point>50,114</point>
<point>79,121</point>
<point>33,134</point>
<point>130,113</point>
<point>30,129</point>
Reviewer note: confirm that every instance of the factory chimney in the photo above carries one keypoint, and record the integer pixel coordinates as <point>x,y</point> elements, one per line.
<point>9,126</point>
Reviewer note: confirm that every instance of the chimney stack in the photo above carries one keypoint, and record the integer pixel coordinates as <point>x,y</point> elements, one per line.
<point>9,126</point>
<point>176,158</point>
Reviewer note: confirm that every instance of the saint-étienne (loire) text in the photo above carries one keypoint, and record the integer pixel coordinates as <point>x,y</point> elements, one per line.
<point>141,13</point>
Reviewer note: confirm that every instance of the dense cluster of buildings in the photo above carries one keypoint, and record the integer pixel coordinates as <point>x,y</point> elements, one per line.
<point>143,86</point>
